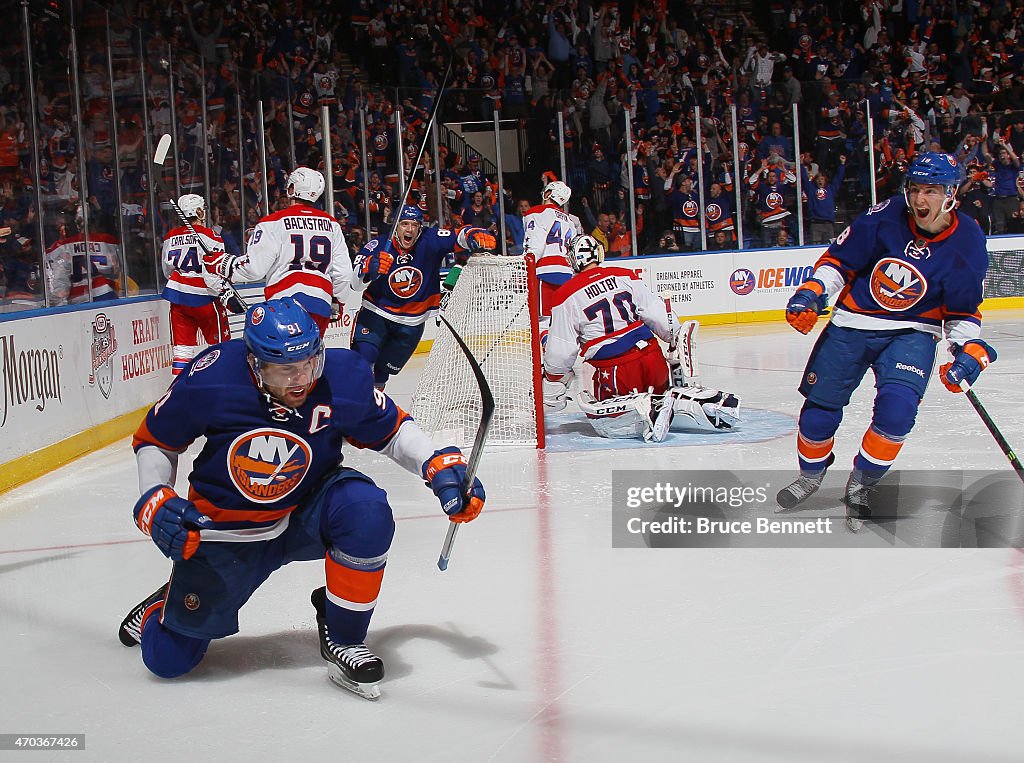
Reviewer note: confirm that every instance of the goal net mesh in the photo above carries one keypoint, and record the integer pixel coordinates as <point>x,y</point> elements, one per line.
<point>489,307</point>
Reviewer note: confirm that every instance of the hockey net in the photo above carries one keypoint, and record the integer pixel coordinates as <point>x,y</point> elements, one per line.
<point>493,307</point>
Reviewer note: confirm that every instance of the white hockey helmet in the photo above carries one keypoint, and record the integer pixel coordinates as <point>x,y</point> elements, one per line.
<point>557,192</point>
<point>306,184</point>
<point>585,250</point>
<point>191,205</point>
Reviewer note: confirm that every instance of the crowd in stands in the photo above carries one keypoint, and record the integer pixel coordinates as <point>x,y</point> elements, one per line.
<point>942,75</point>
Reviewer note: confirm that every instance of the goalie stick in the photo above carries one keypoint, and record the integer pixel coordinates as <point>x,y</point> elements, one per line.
<point>229,296</point>
<point>487,413</point>
<point>993,430</point>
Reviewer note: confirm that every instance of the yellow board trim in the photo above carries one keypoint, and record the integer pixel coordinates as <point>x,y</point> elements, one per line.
<point>43,461</point>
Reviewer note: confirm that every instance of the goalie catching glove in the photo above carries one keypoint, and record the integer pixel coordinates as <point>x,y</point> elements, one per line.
<point>970,360</point>
<point>806,304</point>
<point>445,471</point>
<point>172,522</point>
<point>555,390</point>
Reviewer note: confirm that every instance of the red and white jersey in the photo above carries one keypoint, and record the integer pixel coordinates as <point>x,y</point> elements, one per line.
<point>602,313</point>
<point>548,233</point>
<point>299,252</point>
<point>69,269</point>
<point>182,261</point>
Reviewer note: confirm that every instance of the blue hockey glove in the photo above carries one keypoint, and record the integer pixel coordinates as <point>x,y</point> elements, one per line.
<point>375,265</point>
<point>444,472</point>
<point>172,522</point>
<point>971,359</point>
<point>806,304</point>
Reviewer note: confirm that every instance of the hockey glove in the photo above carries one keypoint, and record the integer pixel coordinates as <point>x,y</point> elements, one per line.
<point>375,265</point>
<point>231,301</point>
<point>445,472</point>
<point>172,522</point>
<point>221,264</point>
<point>481,241</point>
<point>971,359</point>
<point>806,304</point>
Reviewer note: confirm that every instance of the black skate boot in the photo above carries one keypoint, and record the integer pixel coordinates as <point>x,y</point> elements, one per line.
<point>802,488</point>
<point>350,666</point>
<point>858,501</point>
<point>130,632</point>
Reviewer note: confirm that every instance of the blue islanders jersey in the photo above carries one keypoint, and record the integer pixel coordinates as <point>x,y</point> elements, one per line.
<point>411,290</point>
<point>260,459</point>
<point>895,277</point>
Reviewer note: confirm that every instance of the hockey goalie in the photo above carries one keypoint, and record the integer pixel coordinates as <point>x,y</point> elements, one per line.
<point>608,315</point>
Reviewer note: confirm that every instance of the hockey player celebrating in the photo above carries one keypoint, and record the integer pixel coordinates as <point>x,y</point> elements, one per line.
<point>195,310</point>
<point>548,231</point>
<point>400,282</point>
<point>268,489</point>
<point>906,271</point>
<point>299,251</point>
<point>612,318</point>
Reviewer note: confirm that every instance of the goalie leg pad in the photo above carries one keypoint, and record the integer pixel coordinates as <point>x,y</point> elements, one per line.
<point>707,409</point>
<point>682,353</point>
<point>619,417</point>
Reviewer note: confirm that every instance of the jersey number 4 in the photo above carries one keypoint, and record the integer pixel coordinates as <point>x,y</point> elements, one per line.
<point>557,236</point>
<point>623,305</point>
<point>317,257</point>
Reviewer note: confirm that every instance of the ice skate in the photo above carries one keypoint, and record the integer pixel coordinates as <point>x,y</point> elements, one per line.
<point>130,632</point>
<point>350,666</point>
<point>858,503</point>
<point>802,488</point>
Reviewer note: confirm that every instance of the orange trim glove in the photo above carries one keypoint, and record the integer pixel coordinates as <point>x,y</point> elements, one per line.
<point>172,522</point>
<point>445,471</point>
<point>969,361</point>
<point>806,304</point>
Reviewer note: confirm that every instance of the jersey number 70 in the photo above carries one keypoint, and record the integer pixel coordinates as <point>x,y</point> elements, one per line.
<point>624,306</point>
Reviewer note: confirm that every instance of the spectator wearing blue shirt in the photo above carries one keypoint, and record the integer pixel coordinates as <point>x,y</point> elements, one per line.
<point>1004,187</point>
<point>821,202</point>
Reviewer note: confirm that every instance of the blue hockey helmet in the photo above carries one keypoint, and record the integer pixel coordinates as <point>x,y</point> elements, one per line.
<point>934,168</point>
<point>279,333</point>
<point>410,212</point>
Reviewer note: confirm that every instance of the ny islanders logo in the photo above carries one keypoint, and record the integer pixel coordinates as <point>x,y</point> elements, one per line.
<point>690,208</point>
<point>897,285</point>
<point>405,281</point>
<point>268,464</point>
<point>714,212</point>
<point>104,345</point>
<point>773,200</point>
<point>742,281</point>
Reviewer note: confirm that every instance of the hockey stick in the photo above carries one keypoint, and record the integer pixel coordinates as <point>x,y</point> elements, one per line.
<point>993,430</point>
<point>487,413</point>
<point>423,144</point>
<point>229,296</point>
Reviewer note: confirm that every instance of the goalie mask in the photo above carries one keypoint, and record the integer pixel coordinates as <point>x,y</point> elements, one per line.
<point>556,192</point>
<point>193,206</point>
<point>305,184</point>
<point>585,250</point>
<point>286,352</point>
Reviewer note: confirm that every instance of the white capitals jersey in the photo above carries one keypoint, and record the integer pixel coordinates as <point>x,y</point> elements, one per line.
<point>76,276</point>
<point>548,233</point>
<point>601,313</point>
<point>188,281</point>
<point>299,252</point>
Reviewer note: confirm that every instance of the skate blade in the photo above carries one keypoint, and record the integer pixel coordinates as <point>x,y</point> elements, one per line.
<point>853,524</point>
<point>370,691</point>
